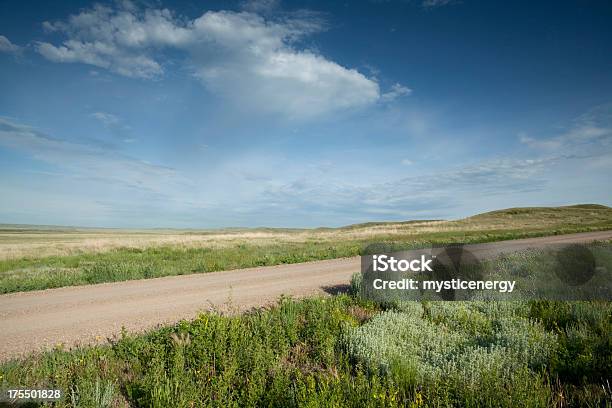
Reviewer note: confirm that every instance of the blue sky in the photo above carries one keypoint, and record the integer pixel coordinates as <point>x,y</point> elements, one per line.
<point>300,114</point>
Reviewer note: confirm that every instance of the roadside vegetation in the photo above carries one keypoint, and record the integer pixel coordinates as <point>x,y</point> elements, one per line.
<point>44,258</point>
<point>342,351</point>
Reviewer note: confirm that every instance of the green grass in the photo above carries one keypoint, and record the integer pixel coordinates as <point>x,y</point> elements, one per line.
<point>342,351</point>
<point>31,272</point>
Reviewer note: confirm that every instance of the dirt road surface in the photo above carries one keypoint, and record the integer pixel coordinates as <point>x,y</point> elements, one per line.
<point>40,320</point>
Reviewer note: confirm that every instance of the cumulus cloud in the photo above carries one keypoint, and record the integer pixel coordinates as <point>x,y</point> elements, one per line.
<point>120,40</point>
<point>7,46</point>
<point>254,62</point>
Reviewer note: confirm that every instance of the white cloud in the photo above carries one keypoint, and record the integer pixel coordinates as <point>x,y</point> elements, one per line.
<point>396,91</point>
<point>108,119</point>
<point>7,46</point>
<point>103,56</point>
<point>254,62</point>
<point>120,40</point>
<point>435,3</point>
<point>254,65</point>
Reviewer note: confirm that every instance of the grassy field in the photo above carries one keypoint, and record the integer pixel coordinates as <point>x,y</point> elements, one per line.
<point>39,258</point>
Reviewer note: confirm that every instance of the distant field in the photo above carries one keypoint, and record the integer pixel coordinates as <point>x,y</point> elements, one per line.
<point>45,257</point>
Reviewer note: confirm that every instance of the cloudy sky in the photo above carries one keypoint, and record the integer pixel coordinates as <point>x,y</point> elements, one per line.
<point>299,114</point>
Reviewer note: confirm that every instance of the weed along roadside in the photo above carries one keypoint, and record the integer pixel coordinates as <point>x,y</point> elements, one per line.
<point>342,351</point>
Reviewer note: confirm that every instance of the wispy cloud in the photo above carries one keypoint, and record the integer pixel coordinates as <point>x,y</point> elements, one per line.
<point>114,124</point>
<point>7,46</point>
<point>260,6</point>
<point>87,161</point>
<point>108,119</point>
<point>396,91</point>
<point>589,133</point>
<point>267,190</point>
<point>436,3</point>
<point>432,195</point>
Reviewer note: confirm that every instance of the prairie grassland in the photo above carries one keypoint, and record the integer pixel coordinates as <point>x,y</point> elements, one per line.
<point>33,259</point>
<point>25,241</point>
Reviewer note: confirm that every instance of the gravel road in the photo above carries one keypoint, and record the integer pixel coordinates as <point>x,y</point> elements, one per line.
<point>39,320</point>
